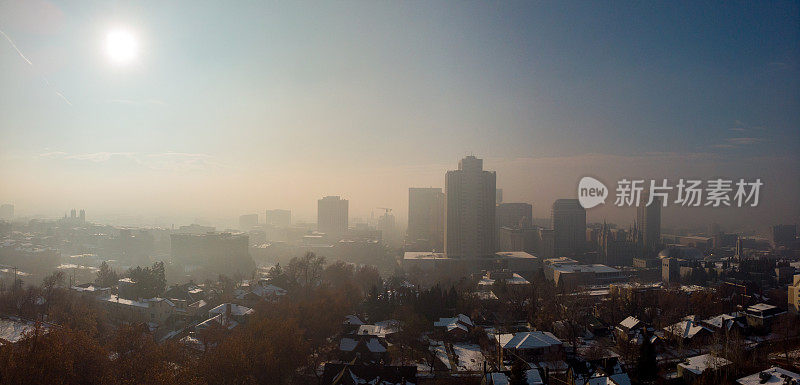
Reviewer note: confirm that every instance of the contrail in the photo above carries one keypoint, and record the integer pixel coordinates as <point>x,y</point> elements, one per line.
<point>30,63</point>
<point>16,49</point>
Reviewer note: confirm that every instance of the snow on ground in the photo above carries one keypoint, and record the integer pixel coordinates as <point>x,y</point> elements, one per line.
<point>470,357</point>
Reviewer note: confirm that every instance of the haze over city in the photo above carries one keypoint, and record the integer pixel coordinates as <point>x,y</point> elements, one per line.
<point>398,192</point>
<point>223,111</point>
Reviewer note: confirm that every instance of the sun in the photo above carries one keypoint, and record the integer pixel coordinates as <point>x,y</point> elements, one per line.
<point>121,46</point>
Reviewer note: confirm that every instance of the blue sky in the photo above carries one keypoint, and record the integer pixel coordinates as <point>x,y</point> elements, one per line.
<point>331,98</point>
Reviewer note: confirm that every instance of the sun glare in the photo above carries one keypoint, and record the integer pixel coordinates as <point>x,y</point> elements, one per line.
<point>121,47</point>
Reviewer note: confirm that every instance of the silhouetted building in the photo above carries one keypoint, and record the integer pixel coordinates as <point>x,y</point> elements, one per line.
<point>279,218</point>
<point>569,227</point>
<point>248,221</point>
<point>332,215</point>
<point>470,191</point>
<point>220,253</point>
<point>648,220</point>
<point>426,218</point>
<point>514,215</point>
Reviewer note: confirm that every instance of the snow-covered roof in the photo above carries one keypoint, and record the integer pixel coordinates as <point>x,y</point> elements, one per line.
<point>772,376</point>
<point>12,329</point>
<point>724,320</point>
<point>630,322</point>
<point>373,344</point>
<point>449,323</point>
<point>236,310</point>
<point>528,340</point>
<point>703,362</point>
<point>217,319</point>
<point>688,328</point>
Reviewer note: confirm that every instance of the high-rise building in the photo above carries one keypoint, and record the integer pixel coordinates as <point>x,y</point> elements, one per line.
<point>514,215</point>
<point>73,214</point>
<point>498,196</point>
<point>279,218</point>
<point>470,194</point>
<point>568,219</point>
<point>426,218</point>
<point>648,221</point>
<point>7,211</point>
<point>332,215</point>
<point>83,216</point>
<point>248,221</point>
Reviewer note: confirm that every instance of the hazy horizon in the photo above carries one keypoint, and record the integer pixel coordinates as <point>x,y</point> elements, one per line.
<point>226,111</point>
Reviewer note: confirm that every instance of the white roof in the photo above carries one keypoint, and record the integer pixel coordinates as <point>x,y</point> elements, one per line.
<point>235,310</point>
<point>630,322</point>
<point>528,340</point>
<point>703,362</point>
<point>451,323</point>
<point>12,329</point>
<point>777,376</point>
<point>761,307</point>
<point>686,329</point>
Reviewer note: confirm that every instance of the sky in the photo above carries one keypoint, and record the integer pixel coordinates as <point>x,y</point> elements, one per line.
<point>232,108</point>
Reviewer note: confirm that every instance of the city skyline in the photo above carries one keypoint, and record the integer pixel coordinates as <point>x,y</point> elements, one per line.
<point>694,90</point>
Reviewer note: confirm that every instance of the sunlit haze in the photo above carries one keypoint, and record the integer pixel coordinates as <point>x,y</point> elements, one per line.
<point>233,110</point>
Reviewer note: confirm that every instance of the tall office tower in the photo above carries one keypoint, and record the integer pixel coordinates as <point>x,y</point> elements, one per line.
<point>498,196</point>
<point>7,211</point>
<point>568,219</point>
<point>648,220</point>
<point>470,194</point>
<point>279,218</point>
<point>83,216</point>
<point>332,215</point>
<point>248,221</point>
<point>73,214</point>
<point>514,215</point>
<point>426,217</point>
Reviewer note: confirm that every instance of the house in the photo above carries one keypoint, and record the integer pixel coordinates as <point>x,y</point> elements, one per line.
<point>455,328</point>
<point>597,372</point>
<point>725,323</point>
<point>532,376</point>
<point>760,315</point>
<point>693,367</point>
<point>688,330</point>
<point>382,329</point>
<point>258,291</point>
<point>532,346</point>
<point>771,376</point>
<point>188,292</point>
<point>231,310</point>
<point>352,322</point>
<point>363,348</point>
<point>346,374</point>
<point>632,329</point>
<point>155,311</point>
